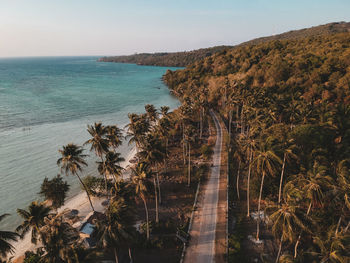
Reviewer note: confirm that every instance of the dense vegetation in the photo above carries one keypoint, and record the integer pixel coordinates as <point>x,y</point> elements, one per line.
<point>176,59</point>
<point>287,106</point>
<point>183,59</point>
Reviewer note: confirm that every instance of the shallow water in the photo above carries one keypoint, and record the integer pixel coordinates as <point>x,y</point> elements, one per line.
<point>47,102</point>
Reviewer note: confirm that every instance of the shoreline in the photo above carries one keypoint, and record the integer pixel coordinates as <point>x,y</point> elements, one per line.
<point>79,202</point>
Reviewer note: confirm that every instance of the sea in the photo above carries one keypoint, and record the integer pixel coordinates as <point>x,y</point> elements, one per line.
<point>48,102</point>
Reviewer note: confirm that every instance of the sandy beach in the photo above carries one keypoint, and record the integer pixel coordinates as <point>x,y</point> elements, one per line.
<point>79,202</point>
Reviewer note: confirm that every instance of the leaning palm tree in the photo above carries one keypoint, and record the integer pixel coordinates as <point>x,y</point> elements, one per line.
<point>5,238</point>
<point>33,219</point>
<point>140,179</point>
<point>265,161</point>
<point>71,162</point>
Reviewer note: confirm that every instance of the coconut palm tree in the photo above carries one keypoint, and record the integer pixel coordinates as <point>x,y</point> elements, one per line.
<point>152,113</point>
<point>287,155</point>
<point>114,135</point>
<point>33,219</point>
<point>313,185</point>
<point>332,247</point>
<point>110,166</point>
<point>117,229</point>
<point>153,152</point>
<point>164,110</point>
<point>99,142</point>
<point>286,222</point>
<point>140,179</point>
<point>59,239</point>
<point>71,162</point>
<point>137,128</point>
<point>265,163</point>
<point>5,238</point>
<point>54,190</point>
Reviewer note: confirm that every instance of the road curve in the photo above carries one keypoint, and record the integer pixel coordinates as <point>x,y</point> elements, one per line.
<point>202,245</point>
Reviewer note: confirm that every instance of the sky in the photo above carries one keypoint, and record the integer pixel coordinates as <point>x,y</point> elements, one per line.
<point>121,27</point>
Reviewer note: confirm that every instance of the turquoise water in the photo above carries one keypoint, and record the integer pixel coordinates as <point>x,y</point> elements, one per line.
<point>47,102</point>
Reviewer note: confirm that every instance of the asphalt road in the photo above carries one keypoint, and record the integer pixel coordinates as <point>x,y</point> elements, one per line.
<point>202,246</point>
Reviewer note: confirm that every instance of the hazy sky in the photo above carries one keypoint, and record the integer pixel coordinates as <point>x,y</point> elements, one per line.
<point>115,27</point>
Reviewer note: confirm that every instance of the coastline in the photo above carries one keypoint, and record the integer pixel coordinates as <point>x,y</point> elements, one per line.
<point>79,202</point>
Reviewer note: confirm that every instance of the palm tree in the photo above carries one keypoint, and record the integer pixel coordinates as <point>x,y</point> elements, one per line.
<point>54,190</point>
<point>286,221</point>
<point>5,238</point>
<point>247,144</point>
<point>110,166</point>
<point>152,151</point>
<point>99,142</point>
<point>137,128</point>
<point>332,247</point>
<point>265,160</point>
<point>118,227</point>
<point>288,153</point>
<point>312,185</point>
<point>114,136</point>
<point>33,219</point>
<point>152,113</point>
<point>59,239</point>
<point>164,110</point>
<point>72,161</point>
<point>140,179</point>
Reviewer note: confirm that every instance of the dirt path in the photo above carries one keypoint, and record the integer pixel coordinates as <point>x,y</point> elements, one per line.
<point>208,219</point>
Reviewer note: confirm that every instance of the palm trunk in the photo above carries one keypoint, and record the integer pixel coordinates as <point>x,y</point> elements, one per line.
<point>189,165</point>
<point>200,123</point>
<point>248,181</point>
<point>259,204</point>
<point>237,179</point>
<point>281,181</point>
<point>338,225</point>
<point>298,240</point>
<point>130,256</point>
<point>156,197</point>
<point>105,177</point>
<point>183,144</point>
<point>237,117</point>
<point>279,250</point>
<point>242,126</point>
<point>229,126</point>
<point>116,255</point>
<point>147,224</point>
<point>87,192</point>
<point>159,193</point>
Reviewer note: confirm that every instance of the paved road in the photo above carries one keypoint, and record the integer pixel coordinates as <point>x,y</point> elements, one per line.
<point>202,245</point>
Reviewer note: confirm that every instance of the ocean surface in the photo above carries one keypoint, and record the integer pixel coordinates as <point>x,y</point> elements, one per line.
<point>46,103</point>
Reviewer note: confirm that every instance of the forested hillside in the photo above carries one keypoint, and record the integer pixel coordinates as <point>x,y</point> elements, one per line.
<point>183,59</point>
<point>176,59</point>
<point>287,107</point>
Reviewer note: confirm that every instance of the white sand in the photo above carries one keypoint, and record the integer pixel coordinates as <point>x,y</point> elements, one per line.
<point>79,202</point>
